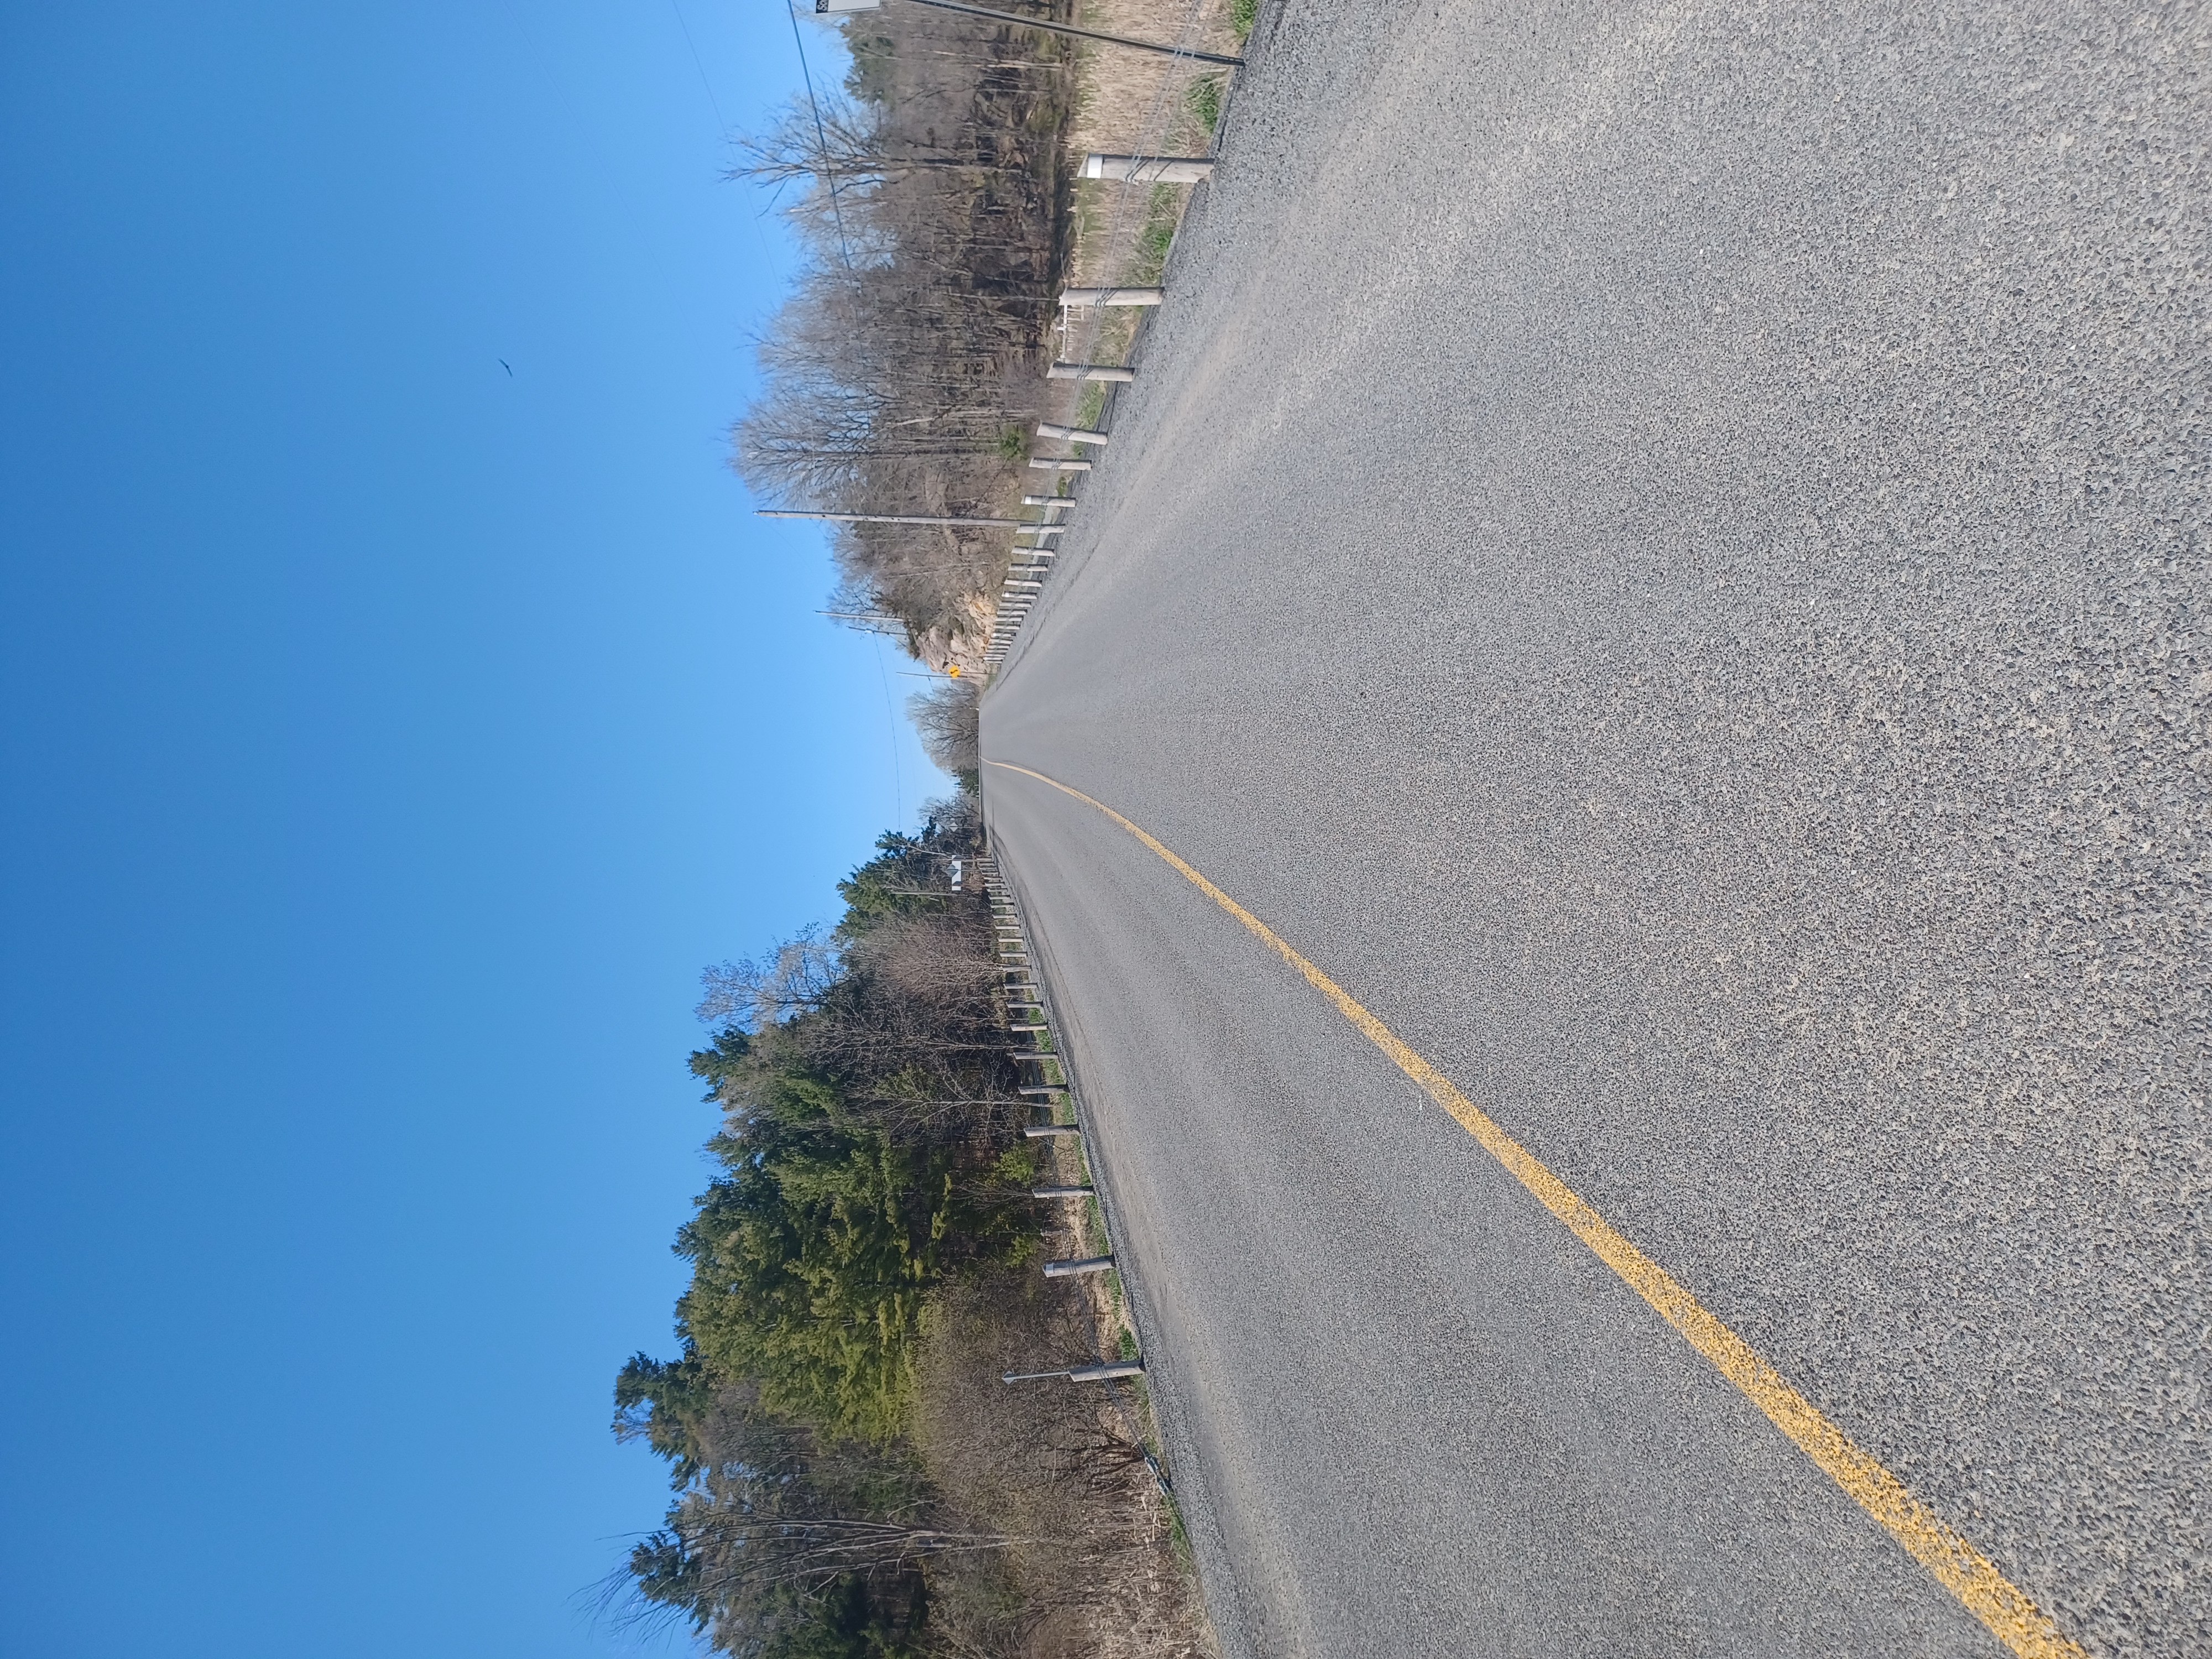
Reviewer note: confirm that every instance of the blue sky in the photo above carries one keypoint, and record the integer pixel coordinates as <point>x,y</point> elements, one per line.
<point>388,741</point>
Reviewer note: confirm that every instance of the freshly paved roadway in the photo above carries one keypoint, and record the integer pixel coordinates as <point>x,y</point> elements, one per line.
<point>1665,549</point>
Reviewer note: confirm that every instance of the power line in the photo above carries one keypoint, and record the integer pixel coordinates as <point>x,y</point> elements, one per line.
<point>899,771</point>
<point>699,64</point>
<point>822,142</point>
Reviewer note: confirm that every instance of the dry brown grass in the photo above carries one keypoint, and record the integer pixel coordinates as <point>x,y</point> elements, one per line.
<point>1100,1571</point>
<point>1096,1572</point>
<point>1129,103</point>
<point>1137,102</point>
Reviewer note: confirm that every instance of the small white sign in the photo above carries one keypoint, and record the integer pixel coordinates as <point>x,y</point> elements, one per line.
<point>956,875</point>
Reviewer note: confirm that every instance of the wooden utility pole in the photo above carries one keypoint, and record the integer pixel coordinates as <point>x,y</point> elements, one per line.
<point>897,518</point>
<point>833,6</point>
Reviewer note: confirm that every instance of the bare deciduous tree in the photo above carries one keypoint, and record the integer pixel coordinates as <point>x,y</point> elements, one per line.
<point>795,977</point>
<point>946,716</point>
<point>904,372</point>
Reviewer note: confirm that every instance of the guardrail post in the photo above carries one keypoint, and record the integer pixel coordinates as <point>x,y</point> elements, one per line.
<point>1080,1373</point>
<point>1094,1264</point>
<point>1148,169</point>
<point>1113,296</point>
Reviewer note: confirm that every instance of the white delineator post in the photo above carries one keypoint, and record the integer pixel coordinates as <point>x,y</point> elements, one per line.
<point>1118,372</point>
<point>1148,169</point>
<point>1054,464</point>
<point>1074,434</point>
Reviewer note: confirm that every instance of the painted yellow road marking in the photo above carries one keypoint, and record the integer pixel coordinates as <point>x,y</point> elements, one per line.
<point>1958,1565</point>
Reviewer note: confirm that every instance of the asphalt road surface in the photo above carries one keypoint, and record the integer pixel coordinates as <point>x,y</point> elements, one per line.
<point>1663,548</point>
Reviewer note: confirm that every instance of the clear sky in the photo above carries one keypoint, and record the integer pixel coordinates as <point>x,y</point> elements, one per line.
<point>389,739</point>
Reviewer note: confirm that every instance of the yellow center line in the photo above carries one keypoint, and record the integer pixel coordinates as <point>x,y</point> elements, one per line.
<point>1958,1565</point>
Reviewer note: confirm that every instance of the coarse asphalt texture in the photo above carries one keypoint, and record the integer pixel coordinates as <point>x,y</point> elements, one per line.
<point>1663,547</point>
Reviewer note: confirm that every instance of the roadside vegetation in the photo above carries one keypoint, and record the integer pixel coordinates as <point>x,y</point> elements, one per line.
<point>938,207</point>
<point>850,1476</point>
<point>906,372</point>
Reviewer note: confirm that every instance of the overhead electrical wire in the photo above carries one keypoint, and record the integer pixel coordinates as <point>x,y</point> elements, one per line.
<point>821,141</point>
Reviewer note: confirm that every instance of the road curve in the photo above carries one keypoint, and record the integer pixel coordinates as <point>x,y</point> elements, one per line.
<point>1664,552</point>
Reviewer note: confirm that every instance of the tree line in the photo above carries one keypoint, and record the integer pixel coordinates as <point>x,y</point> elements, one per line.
<point>850,1480</point>
<point>868,1150</point>
<point>906,370</point>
